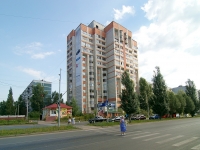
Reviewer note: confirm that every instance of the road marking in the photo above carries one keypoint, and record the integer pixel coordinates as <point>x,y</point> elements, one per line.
<point>144,136</point>
<point>196,147</point>
<point>135,134</point>
<point>157,137</point>
<point>185,141</point>
<point>130,133</point>
<point>170,139</point>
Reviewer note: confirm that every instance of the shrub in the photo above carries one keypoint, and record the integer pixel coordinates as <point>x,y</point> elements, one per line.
<point>34,114</point>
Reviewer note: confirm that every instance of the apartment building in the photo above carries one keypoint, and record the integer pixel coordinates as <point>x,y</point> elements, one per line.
<point>97,55</point>
<point>28,91</point>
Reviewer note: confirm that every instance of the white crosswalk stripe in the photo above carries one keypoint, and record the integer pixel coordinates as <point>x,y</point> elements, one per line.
<point>197,147</point>
<point>137,137</point>
<point>134,134</point>
<point>170,139</point>
<point>185,141</point>
<point>148,136</point>
<point>153,138</point>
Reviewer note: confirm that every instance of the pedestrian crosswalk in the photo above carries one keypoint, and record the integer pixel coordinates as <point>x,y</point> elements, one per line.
<point>174,140</point>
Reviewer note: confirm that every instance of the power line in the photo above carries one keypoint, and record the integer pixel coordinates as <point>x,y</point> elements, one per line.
<point>56,67</point>
<point>8,84</point>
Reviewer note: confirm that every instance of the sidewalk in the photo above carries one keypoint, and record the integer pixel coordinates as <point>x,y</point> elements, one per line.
<point>47,122</point>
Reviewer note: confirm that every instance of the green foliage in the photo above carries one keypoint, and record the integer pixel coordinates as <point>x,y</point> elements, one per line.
<point>75,108</point>
<point>191,92</point>
<point>129,100</point>
<point>190,107</point>
<point>159,102</point>
<point>180,97</point>
<point>22,106</point>
<point>34,114</point>
<point>3,108</point>
<point>88,116</point>
<point>10,103</point>
<point>145,94</point>
<point>35,130</point>
<point>13,122</point>
<point>174,103</point>
<point>37,100</point>
<point>55,97</point>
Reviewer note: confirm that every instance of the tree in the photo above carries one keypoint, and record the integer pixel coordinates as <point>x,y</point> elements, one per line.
<point>191,92</point>
<point>159,101</point>
<point>22,105</point>
<point>129,100</point>
<point>75,108</point>
<point>174,103</point>
<point>10,103</point>
<point>3,108</point>
<point>55,97</point>
<point>145,94</point>
<point>190,107</point>
<point>37,100</point>
<point>182,101</point>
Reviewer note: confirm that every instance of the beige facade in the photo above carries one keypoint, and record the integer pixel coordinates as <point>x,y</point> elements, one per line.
<point>96,58</point>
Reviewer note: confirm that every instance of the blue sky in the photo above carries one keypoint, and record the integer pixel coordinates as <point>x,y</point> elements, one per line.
<point>33,38</point>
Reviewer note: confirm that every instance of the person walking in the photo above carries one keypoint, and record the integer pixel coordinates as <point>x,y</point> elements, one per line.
<point>69,120</point>
<point>73,120</point>
<point>122,125</point>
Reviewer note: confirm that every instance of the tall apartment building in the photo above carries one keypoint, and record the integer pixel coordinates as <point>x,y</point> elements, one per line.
<point>97,55</point>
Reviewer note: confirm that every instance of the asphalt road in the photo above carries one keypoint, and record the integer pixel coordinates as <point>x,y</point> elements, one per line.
<point>179,134</point>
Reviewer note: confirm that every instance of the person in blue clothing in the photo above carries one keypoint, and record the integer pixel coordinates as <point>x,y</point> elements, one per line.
<point>122,125</point>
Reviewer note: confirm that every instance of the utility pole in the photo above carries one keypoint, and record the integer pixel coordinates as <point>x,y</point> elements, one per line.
<point>18,108</point>
<point>59,101</point>
<point>27,108</point>
<point>147,105</point>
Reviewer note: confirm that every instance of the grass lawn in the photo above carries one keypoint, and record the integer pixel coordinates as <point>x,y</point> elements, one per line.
<point>15,132</point>
<point>16,122</point>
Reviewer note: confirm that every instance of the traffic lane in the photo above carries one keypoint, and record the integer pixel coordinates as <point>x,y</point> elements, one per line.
<point>170,126</point>
<point>82,139</point>
<point>62,142</point>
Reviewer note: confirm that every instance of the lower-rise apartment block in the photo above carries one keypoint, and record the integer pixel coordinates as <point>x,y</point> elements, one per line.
<point>27,93</point>
<point>97,55</point>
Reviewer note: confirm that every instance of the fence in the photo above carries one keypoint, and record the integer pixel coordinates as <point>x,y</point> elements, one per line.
<point>12,117</point>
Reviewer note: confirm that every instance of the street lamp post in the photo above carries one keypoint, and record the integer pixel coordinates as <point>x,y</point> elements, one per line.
<point>147,106</point>
<point>59,101</point>
<point>27,106</point>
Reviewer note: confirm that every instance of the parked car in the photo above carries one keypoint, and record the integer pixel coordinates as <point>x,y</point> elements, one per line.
<point>140,117</point>
<point>155,116</point>
<point>97,119</point>
<point>115,119</point>
<point>133,117</point>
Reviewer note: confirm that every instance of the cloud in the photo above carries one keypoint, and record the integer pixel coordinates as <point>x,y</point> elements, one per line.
<point>28,49</point>
<point>41,55</point>
<point>171,41</point>
<point>119,14</point>
<point>36,74</point>
<point>34,49</point>
<point>107,23</point>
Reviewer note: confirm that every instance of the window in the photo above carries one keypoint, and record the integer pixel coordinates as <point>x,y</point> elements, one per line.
<point>53,112</point>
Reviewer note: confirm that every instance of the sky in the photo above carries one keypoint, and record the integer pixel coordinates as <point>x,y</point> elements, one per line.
<point>33,38</point>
